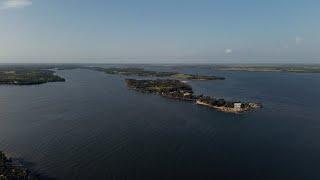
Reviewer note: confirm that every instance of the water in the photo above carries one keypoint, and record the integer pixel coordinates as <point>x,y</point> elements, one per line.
<point>92,127</point>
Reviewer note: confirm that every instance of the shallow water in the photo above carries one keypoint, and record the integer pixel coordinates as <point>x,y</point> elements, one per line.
<point>92,126</point>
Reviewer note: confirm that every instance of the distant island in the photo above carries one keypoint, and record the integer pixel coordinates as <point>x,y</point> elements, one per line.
<point>27,76</point>
<point>280,68</point>
<point>177,89</point>
<point>10,169</point>
<point>145,73</point>
<point>289,68</point>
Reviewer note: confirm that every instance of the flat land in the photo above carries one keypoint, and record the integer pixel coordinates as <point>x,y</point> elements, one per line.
<point>27,76</point>
<point>280,68</point>
<point>145,73</point>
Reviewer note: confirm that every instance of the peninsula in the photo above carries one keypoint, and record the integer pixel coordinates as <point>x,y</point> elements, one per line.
<point>176,89</point>
<point>145,73</point>
<point>27,76</point>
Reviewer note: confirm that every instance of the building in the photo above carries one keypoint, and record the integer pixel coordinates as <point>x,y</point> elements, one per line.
<point>237,106</point>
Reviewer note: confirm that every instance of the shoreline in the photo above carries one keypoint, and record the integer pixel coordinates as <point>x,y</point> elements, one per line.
<point>13,168</point>
<point>179,90</point>
<point>252,106</point>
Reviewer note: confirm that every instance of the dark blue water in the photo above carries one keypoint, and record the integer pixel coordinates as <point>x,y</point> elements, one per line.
<point>92,127</point>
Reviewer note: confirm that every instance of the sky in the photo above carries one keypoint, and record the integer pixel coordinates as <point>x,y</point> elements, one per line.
<point>160,31</point>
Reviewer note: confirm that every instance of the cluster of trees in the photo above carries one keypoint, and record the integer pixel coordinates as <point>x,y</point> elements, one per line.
<point>215,102</point>
<point>28,76</point>
<point>220,102</point>
<point>137,72</point>
<point>163,86</point>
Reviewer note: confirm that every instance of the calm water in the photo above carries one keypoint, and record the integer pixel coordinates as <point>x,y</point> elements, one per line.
<point>92,127</point>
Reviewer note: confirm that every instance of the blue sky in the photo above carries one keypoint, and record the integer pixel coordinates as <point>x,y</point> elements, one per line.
<point>194,31</point>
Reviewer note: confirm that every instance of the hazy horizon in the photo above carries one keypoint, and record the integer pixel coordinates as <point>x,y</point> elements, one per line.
<point>157,61</point>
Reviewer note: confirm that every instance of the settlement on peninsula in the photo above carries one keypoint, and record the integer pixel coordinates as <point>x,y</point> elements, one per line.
<point>177,89</point>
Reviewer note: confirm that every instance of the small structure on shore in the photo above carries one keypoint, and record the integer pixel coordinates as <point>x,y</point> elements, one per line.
<point>237,106</point>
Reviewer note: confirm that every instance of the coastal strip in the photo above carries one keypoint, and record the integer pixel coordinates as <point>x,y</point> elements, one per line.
<point>279,68</point>
<point>233,107</point>
<point>176,89</point>
<point>40,74</point>
<point>147,73</point>
<point>27,76</point>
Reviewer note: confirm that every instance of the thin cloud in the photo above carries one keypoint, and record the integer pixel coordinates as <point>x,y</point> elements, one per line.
<point>12,4</point>
<point>299,40</point>
<point>228,51</point>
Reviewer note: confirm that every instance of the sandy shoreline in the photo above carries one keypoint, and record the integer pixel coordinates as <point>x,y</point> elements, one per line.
<point>228,109</point>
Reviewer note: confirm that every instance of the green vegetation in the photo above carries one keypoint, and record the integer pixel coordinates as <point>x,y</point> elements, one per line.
<point>179,90</point>
<point>182,76</point>
<point>13,170</point>
<point>27,76</point>
<point>145,73</point>
<point>166,86</point>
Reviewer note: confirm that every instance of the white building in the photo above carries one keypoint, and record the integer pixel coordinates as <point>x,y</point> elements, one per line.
<point>237,106</point>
